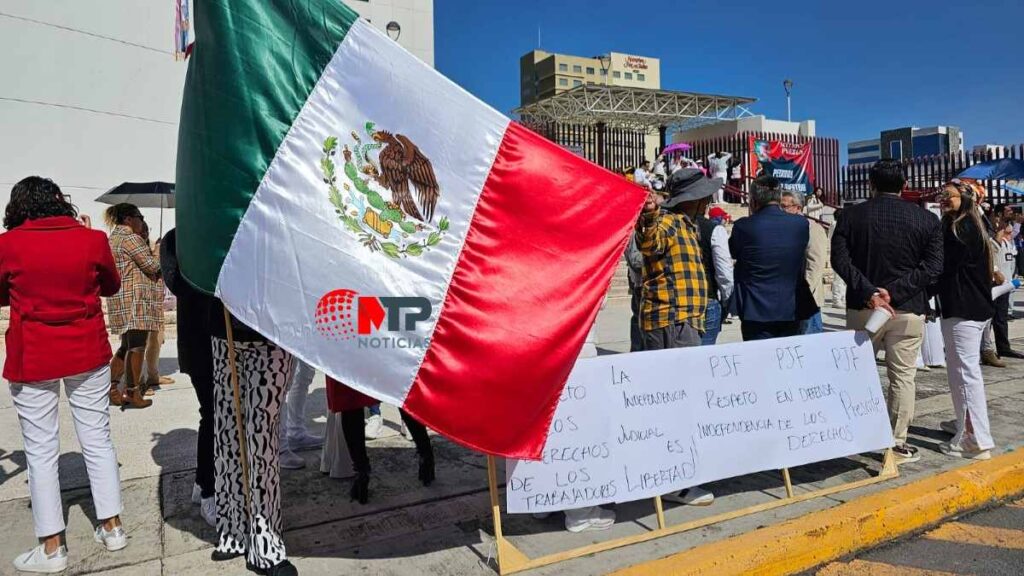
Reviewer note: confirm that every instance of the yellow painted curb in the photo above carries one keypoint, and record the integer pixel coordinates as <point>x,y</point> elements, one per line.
<point>817,538</point>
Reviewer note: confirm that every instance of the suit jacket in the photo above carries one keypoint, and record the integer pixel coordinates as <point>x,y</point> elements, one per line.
<point>52,274</point>
<point>887,242</point>
<point>770,251</point>
<point>817,258</point>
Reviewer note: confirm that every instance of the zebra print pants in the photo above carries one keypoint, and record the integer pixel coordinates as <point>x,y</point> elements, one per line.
<point>263,374</point>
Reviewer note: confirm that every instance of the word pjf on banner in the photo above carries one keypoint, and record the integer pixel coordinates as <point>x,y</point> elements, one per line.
<point>792,164</point>
<point>644,424</point>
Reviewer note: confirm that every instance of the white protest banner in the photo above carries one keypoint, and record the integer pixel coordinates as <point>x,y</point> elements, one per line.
<point>644,424</point>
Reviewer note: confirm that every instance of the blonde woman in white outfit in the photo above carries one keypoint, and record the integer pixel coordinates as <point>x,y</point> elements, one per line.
<point>965,297</point>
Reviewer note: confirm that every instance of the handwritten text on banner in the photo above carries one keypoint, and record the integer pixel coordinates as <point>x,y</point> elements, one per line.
<point>634,426</point>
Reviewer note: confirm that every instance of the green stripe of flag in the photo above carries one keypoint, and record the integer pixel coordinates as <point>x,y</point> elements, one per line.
<point>254,65</point>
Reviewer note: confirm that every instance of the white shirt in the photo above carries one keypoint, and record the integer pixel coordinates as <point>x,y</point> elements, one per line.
<point>719,167</point>
<point>640,177</point>
<point>1006,258</point>
<point>723,262</point>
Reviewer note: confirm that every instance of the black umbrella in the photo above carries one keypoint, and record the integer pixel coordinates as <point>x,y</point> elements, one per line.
<point>144,195</point>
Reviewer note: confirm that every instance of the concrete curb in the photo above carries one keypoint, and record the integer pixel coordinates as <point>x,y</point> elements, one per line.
<point>817,538</point>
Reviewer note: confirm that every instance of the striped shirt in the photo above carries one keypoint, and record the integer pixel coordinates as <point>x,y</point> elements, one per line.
<point>674,286</point>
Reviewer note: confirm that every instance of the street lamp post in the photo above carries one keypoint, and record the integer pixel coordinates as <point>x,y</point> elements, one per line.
<point>606,62</point>
<point>788,85</point>
<point>394,30</point>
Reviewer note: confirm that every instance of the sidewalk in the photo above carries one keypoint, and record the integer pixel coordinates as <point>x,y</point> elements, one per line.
<point>406,528</point>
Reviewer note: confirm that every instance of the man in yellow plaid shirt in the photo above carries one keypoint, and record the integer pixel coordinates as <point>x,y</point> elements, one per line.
<point>674,294</point>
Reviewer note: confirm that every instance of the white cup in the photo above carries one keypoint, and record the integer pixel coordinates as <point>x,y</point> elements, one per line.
<point>878,319</point>
<point>1004,288</point>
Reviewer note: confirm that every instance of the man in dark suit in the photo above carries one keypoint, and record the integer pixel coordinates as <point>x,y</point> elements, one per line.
<point>771,295</point>
<point>888,251</point>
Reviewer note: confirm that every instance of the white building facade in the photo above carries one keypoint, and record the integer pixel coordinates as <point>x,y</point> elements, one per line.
<point>91,92</point>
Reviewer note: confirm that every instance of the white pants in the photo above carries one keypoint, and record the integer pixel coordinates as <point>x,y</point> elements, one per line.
<point>293,417</point>
<point>963,366</point>
<point>988,339</point>
<point>718,196</point>
<point>36,403</point>
<point>932,348</point>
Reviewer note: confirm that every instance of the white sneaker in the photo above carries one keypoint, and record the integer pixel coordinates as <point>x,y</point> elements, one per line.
<point>305,441</point>
<point>36,560</point>
<point>695,496</point>
<point>291,461</point>
<point>964,452</point>
<point>114,540</point>
<point>949,426</point>
<point>374,427</point>
<point>208,510</point>
<point>592,520</point>
<point>197,494</point>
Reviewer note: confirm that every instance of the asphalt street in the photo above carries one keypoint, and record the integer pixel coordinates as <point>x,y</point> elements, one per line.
<point>987,543</point>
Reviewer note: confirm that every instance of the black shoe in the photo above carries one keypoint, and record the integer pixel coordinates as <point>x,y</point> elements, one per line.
<point>361,487</point>
<point>1011,354</point>
<point>219,556</point>
<point>285,568</point>
<point>427,469</point>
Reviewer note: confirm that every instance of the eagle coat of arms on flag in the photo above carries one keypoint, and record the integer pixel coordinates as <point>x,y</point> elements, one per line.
<point>379,165</point>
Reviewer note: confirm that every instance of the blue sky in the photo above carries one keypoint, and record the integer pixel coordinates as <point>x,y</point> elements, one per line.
<point>858,67</point>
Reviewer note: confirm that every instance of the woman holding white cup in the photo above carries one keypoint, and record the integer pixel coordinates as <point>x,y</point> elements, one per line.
<point>965,298</point>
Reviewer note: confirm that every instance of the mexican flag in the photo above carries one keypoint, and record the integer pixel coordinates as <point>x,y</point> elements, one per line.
<point>385,226</point>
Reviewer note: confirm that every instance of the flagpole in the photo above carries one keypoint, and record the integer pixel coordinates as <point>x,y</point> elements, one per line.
<point>244,455</point>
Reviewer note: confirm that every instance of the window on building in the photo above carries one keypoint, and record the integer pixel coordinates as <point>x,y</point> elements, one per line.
<point>604,72</point>
<point>590,70</point>
<point>629,75</point>
<point>896,150</point>
<point>577,69</point>
<point>563,81</point>
<point>563,67</point>
<point>576,83</point>
<point>590,82</point>
<point>616,74</point>
<point>641,77</point>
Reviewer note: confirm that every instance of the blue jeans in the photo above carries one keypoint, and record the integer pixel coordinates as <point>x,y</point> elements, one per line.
<point>712,323</point>
<point>812,325</point>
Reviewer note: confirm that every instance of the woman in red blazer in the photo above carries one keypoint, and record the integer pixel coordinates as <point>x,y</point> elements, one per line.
<point>53,271</point>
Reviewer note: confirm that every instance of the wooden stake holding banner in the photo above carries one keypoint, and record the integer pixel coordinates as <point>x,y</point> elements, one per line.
<point>512,560</point>
<point>627,427</point>
<point>237,400</point>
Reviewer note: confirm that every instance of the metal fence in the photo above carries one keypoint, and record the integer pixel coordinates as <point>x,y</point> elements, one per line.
<point>927,173</point>
<point>826,157</point>
<point>610,147</point>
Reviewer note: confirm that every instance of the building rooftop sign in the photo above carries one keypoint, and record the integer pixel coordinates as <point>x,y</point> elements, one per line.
<point>636,108</point>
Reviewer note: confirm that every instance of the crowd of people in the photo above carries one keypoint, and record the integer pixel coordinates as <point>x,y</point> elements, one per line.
<point>687,274</point>
<point>55,273</point>
<point>932,274</point>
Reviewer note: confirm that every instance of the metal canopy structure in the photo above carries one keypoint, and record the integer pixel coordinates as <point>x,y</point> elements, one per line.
<point>638,109</point>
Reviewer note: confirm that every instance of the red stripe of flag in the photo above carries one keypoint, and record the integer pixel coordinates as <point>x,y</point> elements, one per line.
<point>546,237</point>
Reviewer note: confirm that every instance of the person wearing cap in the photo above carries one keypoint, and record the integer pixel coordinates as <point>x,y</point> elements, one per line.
<point>714,252</point>
<point>771,293</point>
<point>674,287</point>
